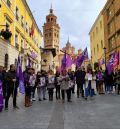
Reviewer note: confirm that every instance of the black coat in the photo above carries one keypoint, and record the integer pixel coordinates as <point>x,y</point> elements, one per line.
<point>9,78</point>
<point>80,76</point>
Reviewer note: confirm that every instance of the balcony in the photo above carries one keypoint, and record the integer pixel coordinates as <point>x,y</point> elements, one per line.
<point>9,3</point>
<point>6,34</point>
<point>17,46</point>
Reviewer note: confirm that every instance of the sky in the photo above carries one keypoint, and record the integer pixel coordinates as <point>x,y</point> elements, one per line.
<point>75,18</point>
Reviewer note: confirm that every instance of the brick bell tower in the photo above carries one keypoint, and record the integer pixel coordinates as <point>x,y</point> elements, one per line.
<point>51,32</point>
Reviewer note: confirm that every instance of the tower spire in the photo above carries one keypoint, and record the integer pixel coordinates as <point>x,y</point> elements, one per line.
<point>51,9</point>
<point>68,39</point>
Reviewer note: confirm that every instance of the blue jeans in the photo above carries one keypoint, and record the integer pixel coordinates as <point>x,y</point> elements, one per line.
<point>89,91</point>
<point>109,88</point>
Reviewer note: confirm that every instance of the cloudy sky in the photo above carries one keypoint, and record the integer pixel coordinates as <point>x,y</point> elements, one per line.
<point>75,18</point>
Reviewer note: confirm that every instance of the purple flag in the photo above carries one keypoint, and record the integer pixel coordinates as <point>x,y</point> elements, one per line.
<point>81,58</point>
<point>1,96</point>
<point>69,61</point>
<point>21,77</point>
<point>110,64</point>
<point>63,65</point>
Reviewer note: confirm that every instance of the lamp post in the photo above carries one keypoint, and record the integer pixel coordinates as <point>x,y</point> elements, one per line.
<point>105,56</point>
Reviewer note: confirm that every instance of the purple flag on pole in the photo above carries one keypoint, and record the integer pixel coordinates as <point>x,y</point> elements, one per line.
<point>116,60</point>
<point>1,96</point>
<point>82,57</point>
<point>69,61</point>
<point>21,77</point>
<point>110,64</point>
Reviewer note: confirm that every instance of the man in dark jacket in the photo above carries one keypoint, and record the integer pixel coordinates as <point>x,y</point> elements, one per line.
<point>12,85</point>
<point>80,78</point>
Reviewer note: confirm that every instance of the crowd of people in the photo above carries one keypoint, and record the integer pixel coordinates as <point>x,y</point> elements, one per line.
<point>62,84</point>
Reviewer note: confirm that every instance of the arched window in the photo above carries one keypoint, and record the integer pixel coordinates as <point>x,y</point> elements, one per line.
<point>6,61</point>
<point>48,20</point>
<point>51,19</point>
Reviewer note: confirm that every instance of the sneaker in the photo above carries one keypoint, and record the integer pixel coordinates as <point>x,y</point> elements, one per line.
<point>40,100</point>
<point>33,99</point>
<point>69,101</point>
<point>44,99</point>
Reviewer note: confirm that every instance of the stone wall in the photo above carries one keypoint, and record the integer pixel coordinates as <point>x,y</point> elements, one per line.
<point>6,48</point>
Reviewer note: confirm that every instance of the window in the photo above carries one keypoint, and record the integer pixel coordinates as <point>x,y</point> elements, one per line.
<point>9,3</point>
<point>46,35</point>
<point>51,19</point>
<point>93,34</point>
<point>8,23</point>
<point>26,27</point>
<point>101,44</point>
<point>97,48</point>
<point>48,20</point>
<point>91,38</point>
<point>111,42</point>
<point>22,21</point>
<point>100,24</point>
<point>50,34</point>
<point>6,61</point>
<point>110,28</point>
<point>96,30</point>
<point>17,13</point>
<point>16,42</point>
<point>109,13</point>
<point>94,50</point>
<point>22,46</point>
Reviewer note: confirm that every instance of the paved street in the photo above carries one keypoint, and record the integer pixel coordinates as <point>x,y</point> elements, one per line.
<point>101,113</point>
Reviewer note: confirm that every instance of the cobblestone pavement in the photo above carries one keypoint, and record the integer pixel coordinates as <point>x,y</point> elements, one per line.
<point>103,112</point>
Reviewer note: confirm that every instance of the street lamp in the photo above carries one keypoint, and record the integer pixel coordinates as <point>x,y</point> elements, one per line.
<point>105,56</point>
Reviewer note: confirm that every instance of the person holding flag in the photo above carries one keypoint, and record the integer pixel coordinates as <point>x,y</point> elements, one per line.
<point>12,86</point>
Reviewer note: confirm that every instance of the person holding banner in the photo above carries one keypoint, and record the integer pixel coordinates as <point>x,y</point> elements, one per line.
<point>57,84</point>
<point>51,84</point>
<point>41,85</point>
<point>65,86</point>
<point>27,86</point>
<point>12,86</point>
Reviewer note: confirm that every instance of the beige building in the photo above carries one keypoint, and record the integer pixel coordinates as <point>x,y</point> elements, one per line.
<point>97,39</point>
<point>51,32</point>
<point>111,13</point>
